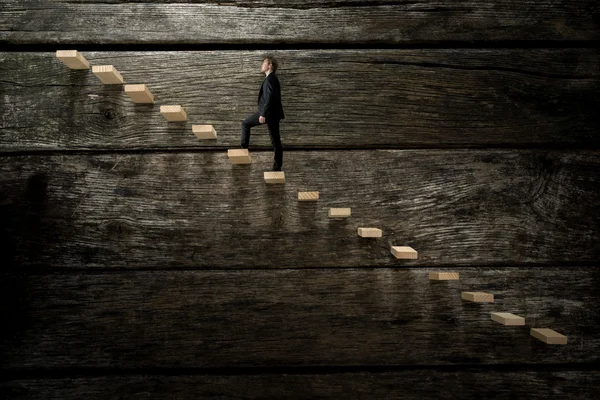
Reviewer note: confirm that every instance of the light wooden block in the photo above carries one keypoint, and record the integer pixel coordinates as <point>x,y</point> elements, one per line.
<point>339,212</point>
<point>548,336</point>
<point>204,131</point>
<point>107,74</point>
<point>404,252</point>
<point>477,297</point>
<point>275,177</point>
<point>370,232</point>
<point>444,276</point>
<point>173,113</point>
<point>139,93</point>
<point>72,59</point>
<point>308,196</point>
<point>239,156</point>
<point>507,318</point>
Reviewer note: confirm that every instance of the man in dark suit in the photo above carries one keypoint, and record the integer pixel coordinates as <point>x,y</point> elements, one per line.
<point>270,111</point>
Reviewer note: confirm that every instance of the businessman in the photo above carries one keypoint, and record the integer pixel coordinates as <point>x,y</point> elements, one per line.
<point>270,111</point>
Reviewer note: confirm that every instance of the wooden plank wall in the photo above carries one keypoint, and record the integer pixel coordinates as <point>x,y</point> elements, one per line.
<point>136,262</point>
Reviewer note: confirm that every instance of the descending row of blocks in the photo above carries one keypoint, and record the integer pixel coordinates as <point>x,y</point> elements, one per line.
<point>546,335</point>
<point>242,156</point>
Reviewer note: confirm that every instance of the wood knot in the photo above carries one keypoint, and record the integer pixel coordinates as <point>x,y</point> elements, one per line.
<point>109,114</point>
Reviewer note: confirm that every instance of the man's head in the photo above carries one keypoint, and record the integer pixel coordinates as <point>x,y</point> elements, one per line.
<point>269,64</point>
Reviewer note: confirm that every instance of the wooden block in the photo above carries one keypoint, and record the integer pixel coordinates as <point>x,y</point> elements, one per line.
<point>173,113</point>
<point>139,93</point>
<point>308,196</point>
<point>370,232</point>
<point>478,297</point>
<point>107,74</point>
<point>275,177</point>
<point>548,336</point>
<point>204,131</point>
<point>404,252</point>
<point>339,212</point>
<point>72,59</point>
<point>239,156</point>
<point>507,318</point>
<point>443,276</point>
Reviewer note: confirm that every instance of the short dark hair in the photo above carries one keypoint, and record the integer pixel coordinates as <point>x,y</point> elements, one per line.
<point>273,61</point>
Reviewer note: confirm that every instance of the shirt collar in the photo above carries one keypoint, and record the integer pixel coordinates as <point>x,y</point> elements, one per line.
<point>269,72</point>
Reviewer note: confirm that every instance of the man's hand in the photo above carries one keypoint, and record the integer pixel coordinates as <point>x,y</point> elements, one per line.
<point>261,119</point>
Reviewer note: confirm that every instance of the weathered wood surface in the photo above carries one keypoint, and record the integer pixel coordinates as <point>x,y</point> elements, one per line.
<point>419,384</point>
<point>288,22</point>
<point>332,99</point>
<point>294,317</point>
<point>157,210</point>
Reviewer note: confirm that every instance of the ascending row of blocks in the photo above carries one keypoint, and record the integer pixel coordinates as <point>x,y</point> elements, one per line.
<point>139,93</point>
<point>73,59</point>
<point>546,335</point>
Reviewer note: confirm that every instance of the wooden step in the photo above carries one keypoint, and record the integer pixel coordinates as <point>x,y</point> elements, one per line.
<point>404,252</point>
<point>239,156</point>
<point>139,93</point>
<point>108,74</point>
<point>272,177</point>
<point>477,297</point>
<point>204,131</point>
<point>308,196</point>
<point>72,59</point>
<point>173,113</point>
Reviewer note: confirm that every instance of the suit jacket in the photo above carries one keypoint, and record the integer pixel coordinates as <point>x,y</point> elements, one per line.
<point>269,98</point>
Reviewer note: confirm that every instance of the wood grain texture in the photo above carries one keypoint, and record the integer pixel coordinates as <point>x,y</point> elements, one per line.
<point>332,99</point>
<point>288,22</point>
<point>455,207</point>
<point>409,385</point>
<point>294,317</point>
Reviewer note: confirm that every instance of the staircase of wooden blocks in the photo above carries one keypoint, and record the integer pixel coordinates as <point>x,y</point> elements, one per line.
<point>139,93</point>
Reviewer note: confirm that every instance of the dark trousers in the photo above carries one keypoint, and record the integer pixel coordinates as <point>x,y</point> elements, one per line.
<point>273,126</point>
